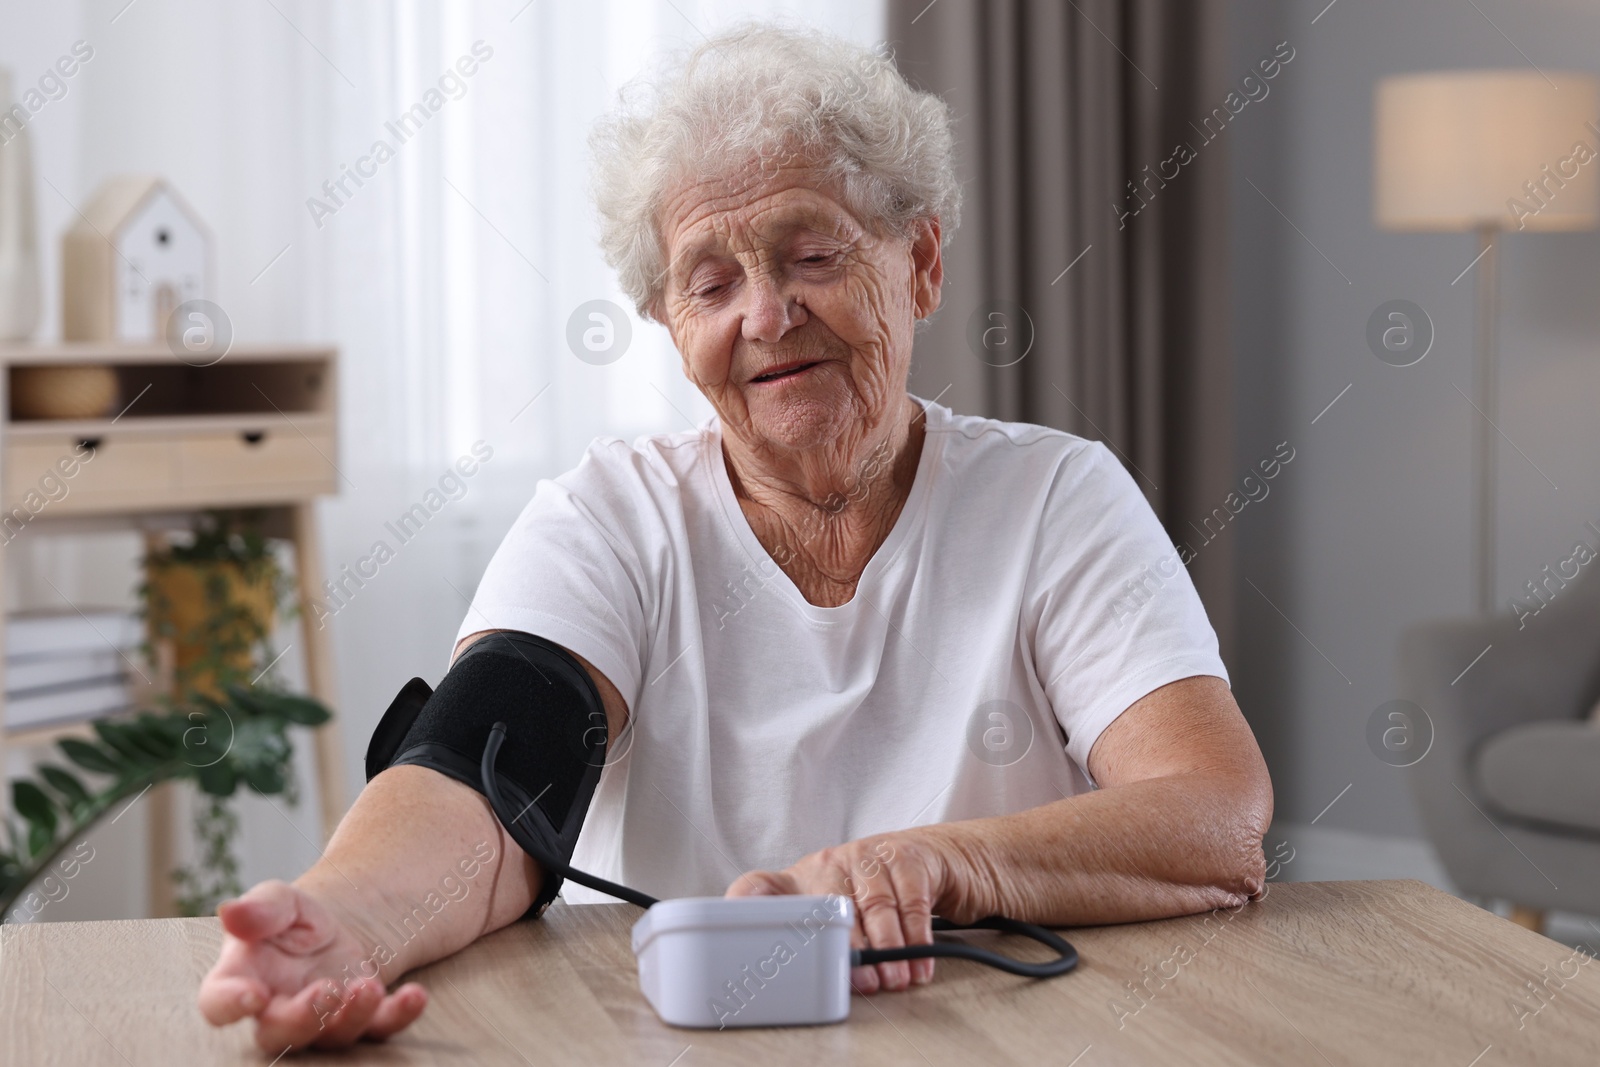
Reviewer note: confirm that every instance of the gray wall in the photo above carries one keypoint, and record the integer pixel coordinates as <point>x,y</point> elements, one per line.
<point>1370,528</point>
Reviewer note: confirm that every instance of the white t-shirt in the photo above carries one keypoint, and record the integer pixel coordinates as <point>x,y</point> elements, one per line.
<point>1025,597</point>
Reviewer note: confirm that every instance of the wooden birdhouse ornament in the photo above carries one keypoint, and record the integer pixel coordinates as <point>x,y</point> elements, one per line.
<point>136,253</point>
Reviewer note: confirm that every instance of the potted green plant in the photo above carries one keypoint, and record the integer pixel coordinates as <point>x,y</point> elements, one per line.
<point>214,599</point>
<point>55,805</point>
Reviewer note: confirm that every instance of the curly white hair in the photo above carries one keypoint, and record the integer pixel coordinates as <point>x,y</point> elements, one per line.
<point>760,93</point>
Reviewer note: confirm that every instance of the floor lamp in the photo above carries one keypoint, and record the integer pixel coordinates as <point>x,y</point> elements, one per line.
<point>1485,152</point>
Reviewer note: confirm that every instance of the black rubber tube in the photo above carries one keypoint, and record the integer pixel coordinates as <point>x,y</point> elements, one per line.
<point>491,789</point>
<point>1067,956</point>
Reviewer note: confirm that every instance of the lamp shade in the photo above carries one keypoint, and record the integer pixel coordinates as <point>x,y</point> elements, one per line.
<point>1459,150</point>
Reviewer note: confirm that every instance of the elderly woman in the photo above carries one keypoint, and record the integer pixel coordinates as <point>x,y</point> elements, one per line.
<point>847,641</point>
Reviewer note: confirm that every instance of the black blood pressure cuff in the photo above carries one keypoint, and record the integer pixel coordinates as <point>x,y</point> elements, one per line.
<point>554,749</point>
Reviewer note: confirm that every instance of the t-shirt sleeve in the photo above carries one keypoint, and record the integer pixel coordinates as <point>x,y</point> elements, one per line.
<point>1115,615</point>
<point>572,569</point>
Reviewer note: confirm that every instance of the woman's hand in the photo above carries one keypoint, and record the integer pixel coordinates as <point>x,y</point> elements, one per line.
<point>898,881</point>
<point>296,964</point>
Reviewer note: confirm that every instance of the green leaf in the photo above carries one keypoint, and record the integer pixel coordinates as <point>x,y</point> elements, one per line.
<point>261,741</point>
<point>170,724</point>
<point>168,731</point>
<point>206,738</point>
<point>220,779</point>
<point>265,778</point>
<point>296,709</point>
<point>154,742</point>
<point>302,710</point>
<point>91,757</point>
<point>33,804</point>
<point>118,737</point>
<point>245,698</point>
<point>66,784</point>
<point>39,838</point>
<point>11,875</point>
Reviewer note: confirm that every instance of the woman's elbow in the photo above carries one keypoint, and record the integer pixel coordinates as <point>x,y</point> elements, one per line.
<point>1239,869</point>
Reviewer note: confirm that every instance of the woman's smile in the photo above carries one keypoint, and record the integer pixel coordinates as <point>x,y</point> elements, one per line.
<point>786,372</point>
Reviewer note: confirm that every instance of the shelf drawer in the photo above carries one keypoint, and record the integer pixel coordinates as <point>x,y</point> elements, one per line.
<point>271,457</point>
<point>121,469</point>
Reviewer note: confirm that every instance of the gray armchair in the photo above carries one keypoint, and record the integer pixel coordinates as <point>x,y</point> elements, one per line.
<point>1510,791</point>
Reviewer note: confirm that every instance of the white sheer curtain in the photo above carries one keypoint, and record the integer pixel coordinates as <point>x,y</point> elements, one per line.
<point>449,277</point>
<point>446,277</point>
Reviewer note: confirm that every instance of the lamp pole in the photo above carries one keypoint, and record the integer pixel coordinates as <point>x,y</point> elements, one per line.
<point>1486,346</point>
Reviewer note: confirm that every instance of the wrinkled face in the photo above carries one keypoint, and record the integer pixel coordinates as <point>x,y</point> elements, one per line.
<point>792,317</point>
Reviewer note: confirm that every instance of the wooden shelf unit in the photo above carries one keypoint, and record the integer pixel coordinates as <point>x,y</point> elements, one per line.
<point>256,429</point>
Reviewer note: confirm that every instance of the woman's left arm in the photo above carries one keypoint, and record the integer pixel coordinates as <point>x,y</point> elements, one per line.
<point>1175,828</point>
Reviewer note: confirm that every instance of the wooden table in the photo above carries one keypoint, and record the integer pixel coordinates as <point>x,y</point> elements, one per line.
<point>1359,973</point>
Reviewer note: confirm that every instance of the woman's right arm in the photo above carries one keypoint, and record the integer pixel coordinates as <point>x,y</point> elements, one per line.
<point>418,869</point>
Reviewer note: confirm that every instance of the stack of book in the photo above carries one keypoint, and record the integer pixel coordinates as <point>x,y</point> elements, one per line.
<point>64,667</point>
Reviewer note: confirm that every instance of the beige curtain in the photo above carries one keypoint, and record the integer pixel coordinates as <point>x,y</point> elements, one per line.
<point>1060,108</point>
